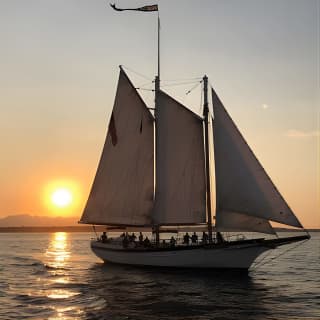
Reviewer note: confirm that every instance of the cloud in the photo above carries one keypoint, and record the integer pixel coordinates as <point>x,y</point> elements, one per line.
<point>293,133</point>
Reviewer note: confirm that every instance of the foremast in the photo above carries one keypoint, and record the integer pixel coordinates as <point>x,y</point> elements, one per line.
<point>207,155</point>
<point>156,228</point>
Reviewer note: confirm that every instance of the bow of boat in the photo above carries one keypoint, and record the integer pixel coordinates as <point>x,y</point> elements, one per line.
<point>274,243</point>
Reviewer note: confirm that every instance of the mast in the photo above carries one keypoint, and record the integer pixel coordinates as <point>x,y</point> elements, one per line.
<point>158,51</point>
<point>156,91</point>
<point>207,160</point>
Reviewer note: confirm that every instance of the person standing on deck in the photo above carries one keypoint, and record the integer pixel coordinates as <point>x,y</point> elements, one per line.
<point>172,241</point>
<point>204,238</point>
<point>194,238</point>
<point>186,238</point>
<point>104,237</point>
<point>140,238</point>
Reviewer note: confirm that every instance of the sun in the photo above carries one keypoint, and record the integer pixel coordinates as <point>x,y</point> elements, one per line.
<point>61,197</point>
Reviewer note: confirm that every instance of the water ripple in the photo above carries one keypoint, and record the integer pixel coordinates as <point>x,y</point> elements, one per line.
<point>56,276</point>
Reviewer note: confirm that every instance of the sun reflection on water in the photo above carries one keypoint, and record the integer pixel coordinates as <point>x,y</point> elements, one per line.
<point>61,294</point>
<point>58,259</point>
<point>58,252</point>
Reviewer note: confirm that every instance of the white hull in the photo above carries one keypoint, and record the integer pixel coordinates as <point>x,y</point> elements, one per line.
<point>239,256</point>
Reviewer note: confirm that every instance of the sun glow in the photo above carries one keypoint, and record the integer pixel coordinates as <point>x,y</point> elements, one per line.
<point>63,197</point>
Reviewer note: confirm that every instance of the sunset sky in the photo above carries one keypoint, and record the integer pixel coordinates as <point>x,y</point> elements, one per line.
<point>59,68</point>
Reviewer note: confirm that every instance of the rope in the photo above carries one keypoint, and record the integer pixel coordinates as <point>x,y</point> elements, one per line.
<point>259,264</point>
<point>177,84</point>
<point>186,79</point>
<point>146,89</point>
<point>179,81</point>
<point>194,87</point>
<point>137,73</point>
<point>145,83</point>
<point>94,229</point>
<point>142,86</point>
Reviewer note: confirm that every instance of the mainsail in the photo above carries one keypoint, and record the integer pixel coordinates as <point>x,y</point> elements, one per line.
<point>243,188</point>
<point>122,191</point>
<point>180,166</point>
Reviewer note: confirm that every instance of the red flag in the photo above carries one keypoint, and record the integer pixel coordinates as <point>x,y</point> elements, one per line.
<point>112,131</point>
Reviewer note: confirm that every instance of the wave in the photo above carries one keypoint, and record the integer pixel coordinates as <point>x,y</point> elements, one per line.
<point>50,267</point>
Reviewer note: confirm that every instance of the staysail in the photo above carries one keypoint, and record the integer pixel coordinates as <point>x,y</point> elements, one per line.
<point>180,166</point>
<point>122,191</point>
<point>237,222</point>
<point>243,188</point>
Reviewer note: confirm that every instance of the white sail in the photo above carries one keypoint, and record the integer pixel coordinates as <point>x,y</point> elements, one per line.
<point>122,191</point>
<point>180,174</point>
<point>242,185</point>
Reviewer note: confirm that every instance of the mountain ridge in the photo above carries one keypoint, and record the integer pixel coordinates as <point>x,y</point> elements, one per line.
<point>27,220</point>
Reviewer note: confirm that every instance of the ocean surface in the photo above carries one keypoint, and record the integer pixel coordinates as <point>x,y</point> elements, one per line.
<point>55,276</point>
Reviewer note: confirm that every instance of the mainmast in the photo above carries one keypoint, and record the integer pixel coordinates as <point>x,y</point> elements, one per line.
<point>206,124</point>
<point>157,82</point>
<point>156,91</point>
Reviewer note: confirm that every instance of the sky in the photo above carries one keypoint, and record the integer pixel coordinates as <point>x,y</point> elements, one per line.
<point>59,68</point>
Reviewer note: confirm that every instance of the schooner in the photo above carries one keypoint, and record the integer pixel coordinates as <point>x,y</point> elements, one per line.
<point>154,172</point>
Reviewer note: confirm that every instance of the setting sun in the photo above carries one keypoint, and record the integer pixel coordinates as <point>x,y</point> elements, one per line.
<point>61,197</point>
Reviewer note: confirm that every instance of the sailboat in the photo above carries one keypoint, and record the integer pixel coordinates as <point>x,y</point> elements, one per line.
<point>154,172</point>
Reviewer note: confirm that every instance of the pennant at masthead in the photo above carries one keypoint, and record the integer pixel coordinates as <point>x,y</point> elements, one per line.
<point>149,8</point>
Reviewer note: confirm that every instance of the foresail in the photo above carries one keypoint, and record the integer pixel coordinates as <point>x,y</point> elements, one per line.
<point>180,174</point>
<point>122,191</point>
<point>233,221</point>
<point>242,185</point>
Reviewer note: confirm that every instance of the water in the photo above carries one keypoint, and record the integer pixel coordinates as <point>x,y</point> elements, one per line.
<point>55,276</point>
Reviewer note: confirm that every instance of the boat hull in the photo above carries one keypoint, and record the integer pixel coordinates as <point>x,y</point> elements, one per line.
<point>228,255</point>
<point>239,256</point>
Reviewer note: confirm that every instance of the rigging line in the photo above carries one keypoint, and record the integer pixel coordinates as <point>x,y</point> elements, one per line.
<point>257,264</point>
<point>145,83</point>
<point>144,86</point>
<point>185,79</point>
<point>137,73</point>
<point>194,87</point>
<point>94,229</point>
<point>282,253</point>
<point>145,89</point>
<point>178,84</point>
<point>179,79</point>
